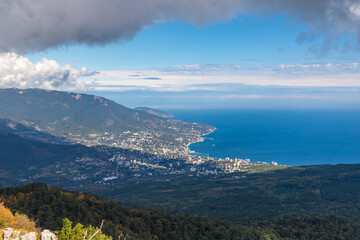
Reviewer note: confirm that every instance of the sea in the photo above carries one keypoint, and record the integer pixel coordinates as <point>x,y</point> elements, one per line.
<point>288,137</point>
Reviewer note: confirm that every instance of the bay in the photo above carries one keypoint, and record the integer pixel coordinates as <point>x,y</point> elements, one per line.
<point>289,137</point>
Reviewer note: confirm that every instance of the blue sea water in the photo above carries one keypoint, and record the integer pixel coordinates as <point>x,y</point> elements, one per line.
<point>290,137</point>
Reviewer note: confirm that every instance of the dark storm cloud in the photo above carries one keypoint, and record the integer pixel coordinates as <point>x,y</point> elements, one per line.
<point>40,24</point>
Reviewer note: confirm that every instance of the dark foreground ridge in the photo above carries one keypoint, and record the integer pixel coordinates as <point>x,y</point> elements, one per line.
<point>48,206</point>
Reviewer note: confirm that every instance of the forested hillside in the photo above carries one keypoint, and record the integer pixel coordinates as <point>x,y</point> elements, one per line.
<point>243,198</point>
<point>49,206</point>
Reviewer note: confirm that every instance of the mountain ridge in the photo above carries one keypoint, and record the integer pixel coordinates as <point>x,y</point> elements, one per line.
<point>93,120</point>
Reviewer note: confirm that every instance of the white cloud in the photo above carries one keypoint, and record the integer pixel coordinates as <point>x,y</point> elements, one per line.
<point>355,10</point>
<point>196,77</point>
<point>244,96</point>
<point>329,68</point>
<point>19,72</point>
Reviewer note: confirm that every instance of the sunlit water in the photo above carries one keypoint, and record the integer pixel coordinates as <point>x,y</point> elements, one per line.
<point>291,137</point>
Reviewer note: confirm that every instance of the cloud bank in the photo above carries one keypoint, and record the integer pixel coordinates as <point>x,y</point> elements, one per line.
<point>18,72</point>
<point>222,77</point>
<point>39,24</point>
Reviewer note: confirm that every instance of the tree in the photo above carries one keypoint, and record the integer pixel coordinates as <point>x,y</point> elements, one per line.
<point>80,232</point>
<point>19,221</point>
<point>7,219</point>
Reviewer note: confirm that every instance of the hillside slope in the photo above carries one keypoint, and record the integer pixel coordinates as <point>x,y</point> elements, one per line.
<point>21,158</point>
<point>50,205</point>
<point>30,133</point>
<point>93,120</point>
<point>243,198</point>
<point>56,111</point>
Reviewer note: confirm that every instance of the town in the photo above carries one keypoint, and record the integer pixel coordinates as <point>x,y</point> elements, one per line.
<point>172,143</point>
<point>120,165</point>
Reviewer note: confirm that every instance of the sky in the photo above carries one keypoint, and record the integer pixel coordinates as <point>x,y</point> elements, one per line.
<point>187,55</point>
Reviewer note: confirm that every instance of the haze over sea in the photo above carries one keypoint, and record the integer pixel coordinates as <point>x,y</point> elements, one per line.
<point>290,137</point>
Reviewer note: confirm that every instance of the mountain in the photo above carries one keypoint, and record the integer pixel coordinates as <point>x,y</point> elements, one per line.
<point>62,113</point>
<point>93,120</point>
<point>155,112</point>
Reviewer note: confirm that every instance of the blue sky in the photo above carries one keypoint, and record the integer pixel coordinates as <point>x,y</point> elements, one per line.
<point>242,40</point>
<point>196,54</point>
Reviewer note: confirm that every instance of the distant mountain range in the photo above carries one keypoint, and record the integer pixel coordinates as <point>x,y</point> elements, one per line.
<point>93,120</point>
<point>155,112</point>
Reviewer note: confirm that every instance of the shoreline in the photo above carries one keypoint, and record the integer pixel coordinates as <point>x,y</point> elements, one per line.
<point>201,139</point>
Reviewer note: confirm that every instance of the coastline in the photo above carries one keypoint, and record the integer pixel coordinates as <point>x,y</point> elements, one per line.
<point>246,134</point>
<point>201,138</point>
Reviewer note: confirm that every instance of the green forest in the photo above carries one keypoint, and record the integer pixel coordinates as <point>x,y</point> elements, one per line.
<point>243,198</point>
<point>48,206</point>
